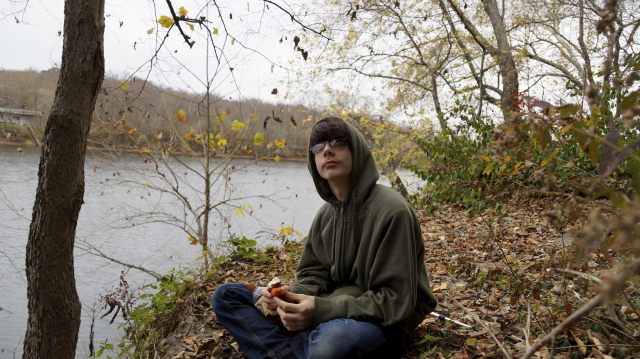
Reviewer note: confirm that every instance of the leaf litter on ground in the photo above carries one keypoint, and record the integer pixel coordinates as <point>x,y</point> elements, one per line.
<point>506,269</point>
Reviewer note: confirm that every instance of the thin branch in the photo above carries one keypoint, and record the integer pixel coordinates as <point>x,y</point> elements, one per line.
<point>100,254</point>
<point>486,327</point>
<point>611,287</point>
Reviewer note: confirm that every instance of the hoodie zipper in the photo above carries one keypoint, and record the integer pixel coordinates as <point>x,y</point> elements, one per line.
<point>341,207</point>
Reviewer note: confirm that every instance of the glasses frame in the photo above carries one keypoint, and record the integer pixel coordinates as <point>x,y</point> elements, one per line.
<point>335,143</point>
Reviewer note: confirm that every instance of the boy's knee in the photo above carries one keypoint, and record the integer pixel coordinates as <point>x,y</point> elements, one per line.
<point>224,293</point>
<point>344,337</point>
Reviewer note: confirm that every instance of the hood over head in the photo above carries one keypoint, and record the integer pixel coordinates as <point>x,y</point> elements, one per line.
<point>364,172</point>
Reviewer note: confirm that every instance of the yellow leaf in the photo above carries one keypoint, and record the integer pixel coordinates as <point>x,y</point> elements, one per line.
<point>258,139</point>
<point>182,11</point>
<point>159,136</point>
<point>233,41</point>
<point>285,230</point>
<point>489,168</point>
<point>515,170</point>
<point>221,143</point>
<point>190,26</point>
<point>198,259</point>
<point>443,286</point>
<point>240,211</point>
<point>566,128</point>
<point>502,168</point>
<point>281,143</point>
<point>288,230</point>
<point>215,31</point>
<point>254,116</point>
<point>124,84</point>
<point>276,158</point>
<point>181,116</point>
<point>193,240</point>
<point>133,130</point>
<point>272,66</point>
<point>485,158</point>
<point>506,158</point>
<point>165,21</point>
<point>146,150</point>
<point>581,346</point>
<point>237,125</point>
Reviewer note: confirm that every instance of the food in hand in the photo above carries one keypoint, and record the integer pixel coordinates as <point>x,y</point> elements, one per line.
<point>275,288</point>
<point>278,293</point>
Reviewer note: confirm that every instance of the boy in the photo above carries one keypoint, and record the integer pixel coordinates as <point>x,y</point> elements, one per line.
<point>361,286</point>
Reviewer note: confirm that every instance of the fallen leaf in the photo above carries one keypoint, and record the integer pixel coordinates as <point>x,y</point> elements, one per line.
<point>581,346</point>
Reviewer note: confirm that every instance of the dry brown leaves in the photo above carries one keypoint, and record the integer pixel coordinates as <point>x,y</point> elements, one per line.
<point>199,335</point>
<point>501,266</point>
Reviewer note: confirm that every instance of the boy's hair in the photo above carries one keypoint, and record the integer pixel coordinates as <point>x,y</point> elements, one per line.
<point>327,129</point>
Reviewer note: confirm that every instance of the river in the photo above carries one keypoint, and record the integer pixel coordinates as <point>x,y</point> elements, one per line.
<point>115,189</point>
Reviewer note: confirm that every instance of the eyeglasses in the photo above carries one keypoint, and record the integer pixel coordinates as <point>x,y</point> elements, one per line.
<point>338,142</point>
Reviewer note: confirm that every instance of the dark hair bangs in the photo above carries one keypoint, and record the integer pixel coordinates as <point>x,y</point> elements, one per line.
<point>327,129</point>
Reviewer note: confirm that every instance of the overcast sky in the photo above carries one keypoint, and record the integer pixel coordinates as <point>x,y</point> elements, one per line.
<point>31,38</point>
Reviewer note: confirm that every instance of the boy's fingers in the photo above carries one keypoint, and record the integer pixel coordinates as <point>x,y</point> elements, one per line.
<point>293,296</point>
<point>287,307</point>
<point>265,293</point>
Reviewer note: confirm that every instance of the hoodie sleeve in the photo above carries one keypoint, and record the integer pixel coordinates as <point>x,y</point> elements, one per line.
<point>312,276</point>
<point>392,288</point>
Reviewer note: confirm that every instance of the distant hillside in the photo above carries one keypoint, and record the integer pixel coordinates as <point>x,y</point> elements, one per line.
<point>139,110</point>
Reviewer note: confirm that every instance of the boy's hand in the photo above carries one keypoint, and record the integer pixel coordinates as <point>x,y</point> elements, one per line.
<point>269,301</point>
<point>297,315</point>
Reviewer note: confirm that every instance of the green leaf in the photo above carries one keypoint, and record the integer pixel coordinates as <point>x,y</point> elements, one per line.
<point>489,168</point>
<point>568,110</point>
<point>634,168</point>
<point>630,101</point>
<point>544,137</point>
<point>617,200</point>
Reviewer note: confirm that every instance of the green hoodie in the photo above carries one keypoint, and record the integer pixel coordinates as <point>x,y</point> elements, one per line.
<point>364,257</point>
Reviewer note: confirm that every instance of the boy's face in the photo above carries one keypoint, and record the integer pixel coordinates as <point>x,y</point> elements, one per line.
<point>334,163</point>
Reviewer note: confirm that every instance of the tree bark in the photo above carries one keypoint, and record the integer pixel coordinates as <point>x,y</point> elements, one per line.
<point>53,303</point>
<point>506,62</point>
<point>501,51</point>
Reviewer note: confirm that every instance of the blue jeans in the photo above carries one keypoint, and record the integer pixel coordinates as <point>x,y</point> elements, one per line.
<point>259,338</point>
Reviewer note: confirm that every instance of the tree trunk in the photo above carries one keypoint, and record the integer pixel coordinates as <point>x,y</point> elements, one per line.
<point>54,307</point>
<point>506,62</point>
<point>436,102</point>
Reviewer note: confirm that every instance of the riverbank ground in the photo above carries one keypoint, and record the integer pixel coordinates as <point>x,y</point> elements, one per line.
<point>500,273</point>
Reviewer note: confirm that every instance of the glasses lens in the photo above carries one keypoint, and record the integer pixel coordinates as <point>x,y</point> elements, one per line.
<point>338,142</point>
<point>317,148</point>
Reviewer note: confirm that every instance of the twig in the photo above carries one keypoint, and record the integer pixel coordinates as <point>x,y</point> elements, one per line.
<point>176,20</point>
<point>475,317</point>
<point>100,254</point>
<point>592,277</point>
<point>611,287</point>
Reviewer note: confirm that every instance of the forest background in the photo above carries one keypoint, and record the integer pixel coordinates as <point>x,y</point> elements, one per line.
<point>490,103</point>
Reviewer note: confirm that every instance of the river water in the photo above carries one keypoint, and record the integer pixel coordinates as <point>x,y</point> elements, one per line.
<point>119,187</point>
<point>116,188</point>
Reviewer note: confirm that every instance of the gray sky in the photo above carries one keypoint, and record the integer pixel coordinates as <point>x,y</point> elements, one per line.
<point>33,41</point>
